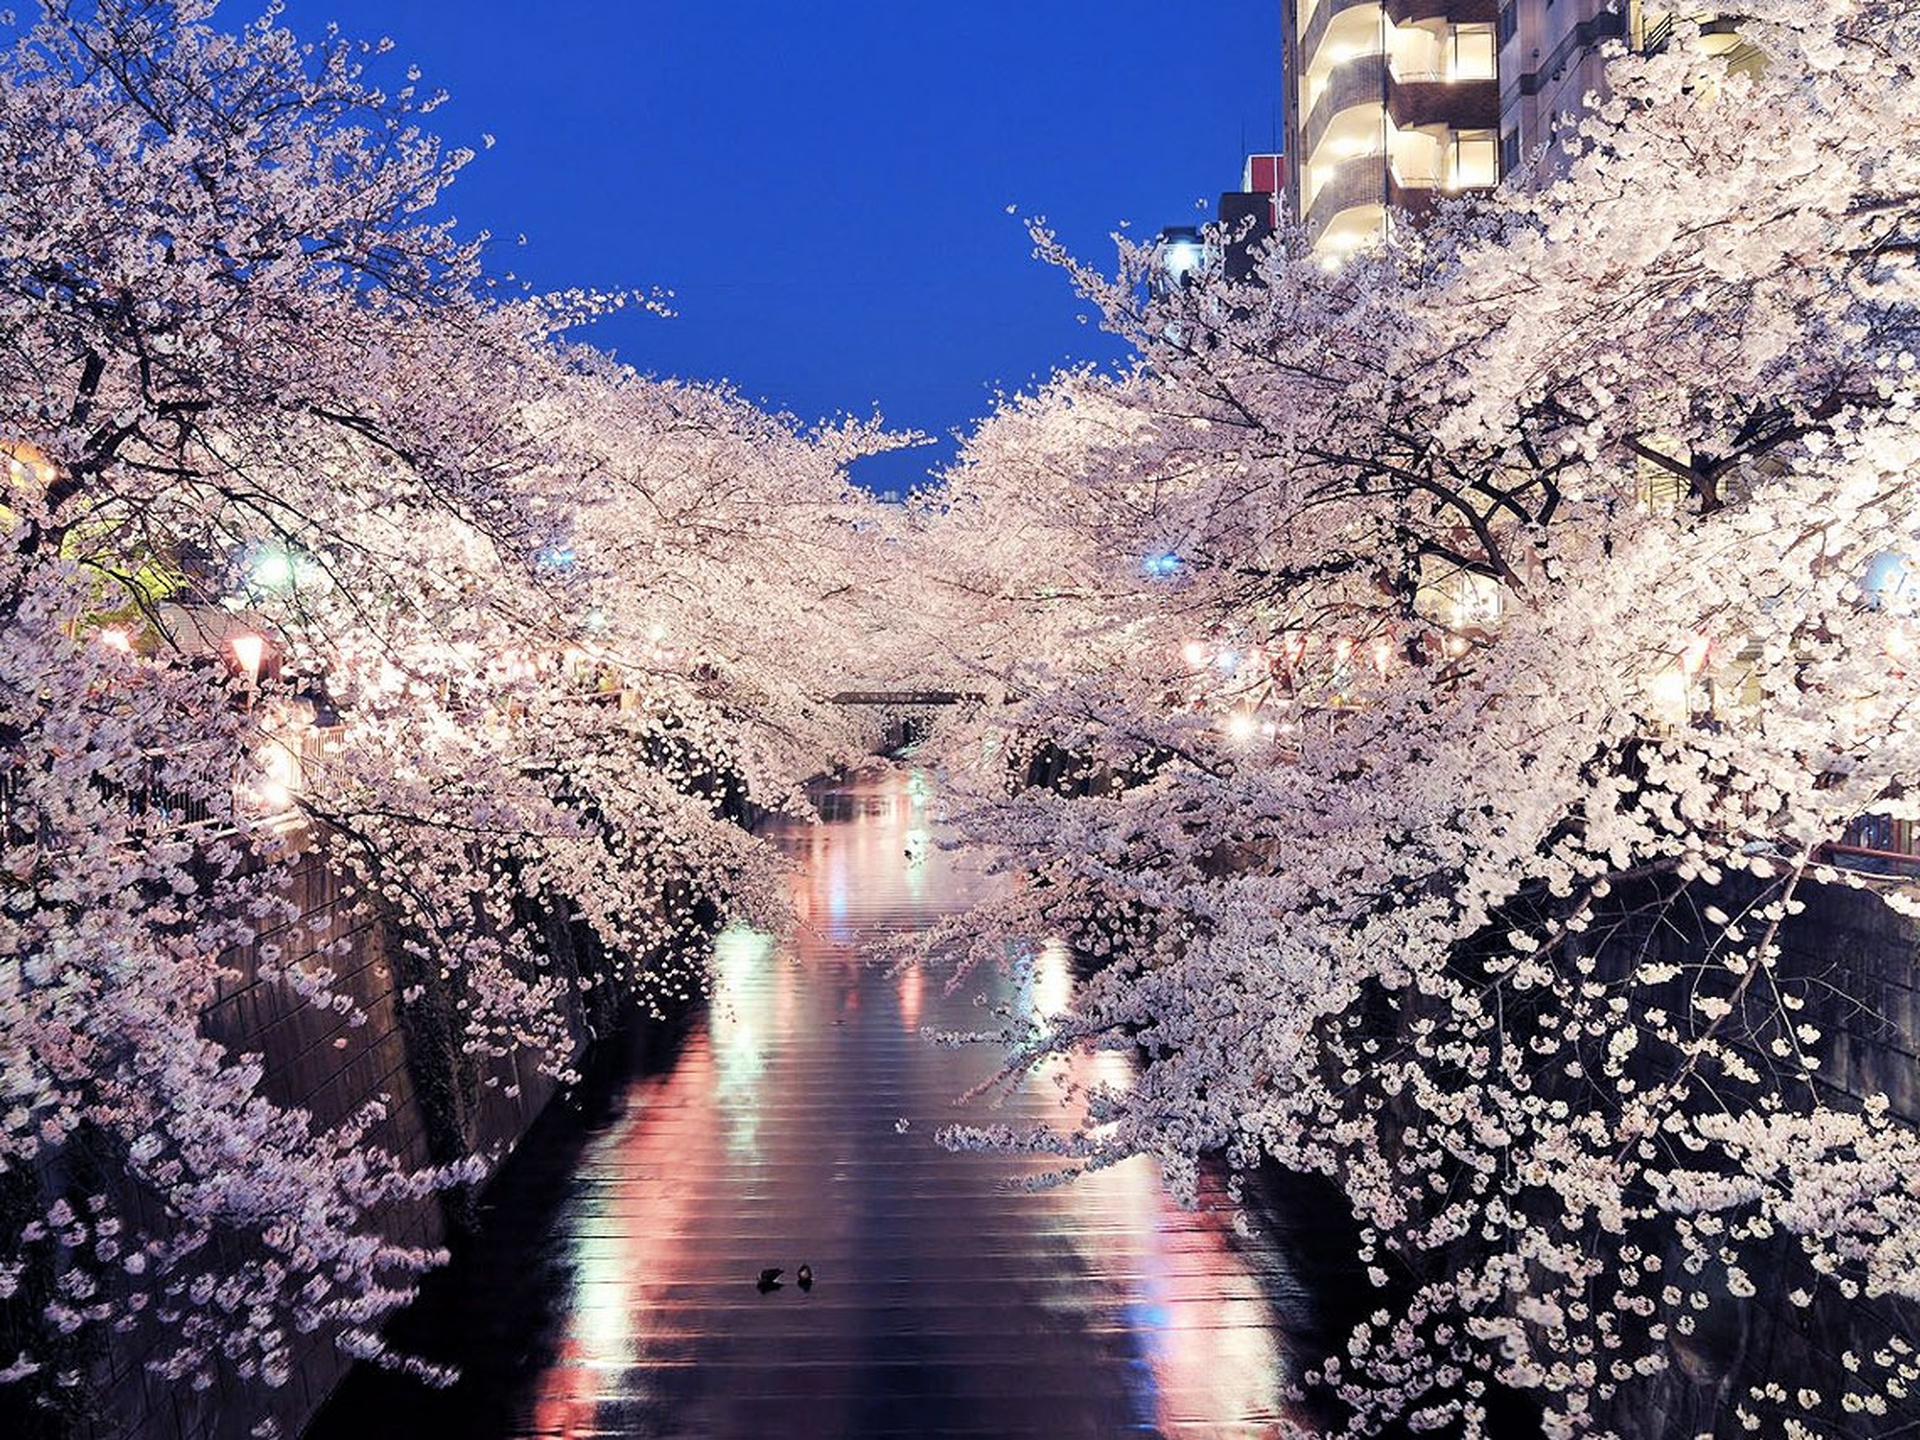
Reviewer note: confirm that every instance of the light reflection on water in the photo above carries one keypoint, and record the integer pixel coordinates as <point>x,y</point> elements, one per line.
<point>948,1300</point>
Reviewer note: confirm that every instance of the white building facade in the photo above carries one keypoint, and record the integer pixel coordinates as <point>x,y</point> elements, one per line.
<point>1391,104</point>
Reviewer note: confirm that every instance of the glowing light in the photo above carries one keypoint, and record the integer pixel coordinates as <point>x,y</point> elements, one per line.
<point>28,465</point>
<point>1382,655</point>
<point>1456,646</point>
<point>1476,600</point>
<point>1667,697</point>
<point>1161,566</point>
<point>1241,725</point>
<point>1693,658</point>
<point>1890,583</point>
<point>117,639</point>
<point>272,570</point>
<point>1227,660</point>
<point>1181,252</point>
<point>1194,653</point>
<point>277,781</point>
<point>1342,650</point>
<point>250,651</point>
<point>555,557</point>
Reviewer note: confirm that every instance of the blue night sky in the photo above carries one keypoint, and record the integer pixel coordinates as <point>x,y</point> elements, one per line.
<point>824,185</point>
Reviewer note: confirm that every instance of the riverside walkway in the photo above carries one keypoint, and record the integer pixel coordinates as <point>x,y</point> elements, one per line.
<point>614,1292</point>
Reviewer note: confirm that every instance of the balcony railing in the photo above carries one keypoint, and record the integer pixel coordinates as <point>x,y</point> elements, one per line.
<point>1359,181</point>
<point>1361,81</point>
<point>1412,100</point>
<point>1316,31</point>
<point>1659,34</point>
<point>1415,100</point>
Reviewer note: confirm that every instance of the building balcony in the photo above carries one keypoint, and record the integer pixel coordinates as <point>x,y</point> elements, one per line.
<point>1410,101</point>
<point>1459,12</point>
<point>1359,82</point>
<point>1369,184</point>
<point>1414,101</point>
<point>1361,181</point>
<point>1322,16</point>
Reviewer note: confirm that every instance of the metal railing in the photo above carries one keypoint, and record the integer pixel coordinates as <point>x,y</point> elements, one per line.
<point>908,697</point>
<point>1877,845</point>
<point>148,795</point>
<point>1656,37</point>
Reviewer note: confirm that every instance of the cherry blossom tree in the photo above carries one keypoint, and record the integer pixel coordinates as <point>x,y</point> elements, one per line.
<point>1474,648</point>
<point>321,547</point>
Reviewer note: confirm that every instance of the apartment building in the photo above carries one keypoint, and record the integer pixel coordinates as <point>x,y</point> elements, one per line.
<point>1553,56</point>
<point>1550,60</point>
<point>1390,104</point>
<point>1393,103</point>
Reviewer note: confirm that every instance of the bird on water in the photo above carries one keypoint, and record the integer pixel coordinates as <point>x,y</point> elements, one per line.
<point>805,1277</point>
<point>769,1279</point>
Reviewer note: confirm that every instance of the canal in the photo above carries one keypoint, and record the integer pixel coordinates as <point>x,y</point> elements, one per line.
<point>613,1291</point>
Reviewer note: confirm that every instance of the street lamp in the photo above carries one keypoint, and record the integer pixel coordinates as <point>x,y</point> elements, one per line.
<point>250,651</point>
<point>1180,251</point>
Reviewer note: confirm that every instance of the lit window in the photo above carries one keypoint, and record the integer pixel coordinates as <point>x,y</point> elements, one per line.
<point>1473,160</point>
<point>1472,53</point>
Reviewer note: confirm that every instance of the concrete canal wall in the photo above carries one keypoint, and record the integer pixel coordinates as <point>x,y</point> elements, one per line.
<point>1852,961</point>
<point>404,1054</point>
<point>317,1060</point>
<point>1869,956</point>
<point>1856,964</point>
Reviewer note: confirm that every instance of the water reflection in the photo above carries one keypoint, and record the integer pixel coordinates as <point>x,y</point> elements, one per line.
<point>912,992</point>
<point>1046,982</point>
<point>747,1007</point>
<point>947,1300</point>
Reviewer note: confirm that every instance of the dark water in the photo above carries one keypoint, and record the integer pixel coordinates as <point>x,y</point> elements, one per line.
<point>613,1291</point>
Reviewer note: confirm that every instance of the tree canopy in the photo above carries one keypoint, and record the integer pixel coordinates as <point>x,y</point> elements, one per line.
<point>1468,653</point>
<point>1427,692</point>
